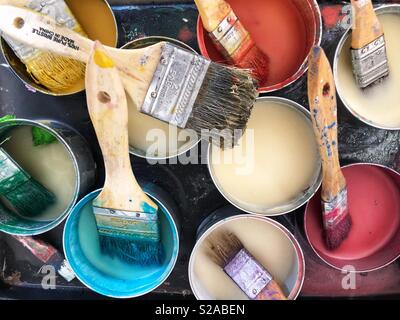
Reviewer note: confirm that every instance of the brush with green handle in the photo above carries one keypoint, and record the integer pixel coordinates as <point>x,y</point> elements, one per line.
<point>127,219</point>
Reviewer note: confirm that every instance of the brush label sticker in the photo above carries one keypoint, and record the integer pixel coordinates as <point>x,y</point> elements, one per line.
<point>335,210</point>
<point>175,85</point>
<point>370,63</point>
<point>229,35</point>
<point>248,274</point>
<point>55,9</point>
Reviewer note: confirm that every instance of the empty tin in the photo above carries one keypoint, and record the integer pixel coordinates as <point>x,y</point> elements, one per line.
<point>270,242</point>
<point>112,277</point>
<point>283,29</point>
<point>84,174</point>
<point>374,206</point>
<point>89,13</point>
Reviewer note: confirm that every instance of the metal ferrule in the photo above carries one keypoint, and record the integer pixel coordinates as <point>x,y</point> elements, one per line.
<point>175,85</point>
<point>248,274</point>
<point>370,63</point>
<point>335,210</point>
<point>229,35</point>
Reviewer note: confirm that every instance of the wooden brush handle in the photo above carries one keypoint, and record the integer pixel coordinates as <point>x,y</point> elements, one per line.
<point>109,114</point>
<point>212,12</point>
<point>322,101</point>
<point>366,26</point>
<point>271,292</point>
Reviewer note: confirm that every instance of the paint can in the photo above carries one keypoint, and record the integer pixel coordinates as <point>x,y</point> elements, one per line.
<point>376,105</point>
<point>89,13</point>
<point>243,198</point>
<point>112,277</point>
<point>285,30</point>
<point>146,123</point>
<point>83,170</point>
<point>281,254</point>
<point>374,206</point>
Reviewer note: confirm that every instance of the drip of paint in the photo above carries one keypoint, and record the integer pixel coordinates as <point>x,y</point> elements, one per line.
<point>102,59</point>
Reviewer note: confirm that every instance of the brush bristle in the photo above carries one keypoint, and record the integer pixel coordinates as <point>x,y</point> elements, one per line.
<point>335,236</point>
<point>223,104</point>
<point>257,61</point>
<point>222,247</point>
<point>135,252</point>
<point>30,198</point>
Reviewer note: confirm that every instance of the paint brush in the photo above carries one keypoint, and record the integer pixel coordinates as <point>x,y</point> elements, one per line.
<point>163,80</point>
<point>27,196</point>
<point>368,47</point>
<point>47,254</point>
<point>127,219</point>
<point>322,101</point>
<point>228,252</point>
<point>231,38</point>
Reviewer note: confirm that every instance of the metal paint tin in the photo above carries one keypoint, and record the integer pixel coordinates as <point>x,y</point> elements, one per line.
<point>83,163</point>
<point>128,281</point>
<point>311,16</point>
<point>384,9</point>
<point>382,246</point>
<point>293,281</point>
<point>285,208</point>
<point>141,43</point>
<point>19,68</point>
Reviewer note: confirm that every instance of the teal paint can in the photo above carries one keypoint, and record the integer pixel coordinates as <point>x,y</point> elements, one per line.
<point>110,276</point>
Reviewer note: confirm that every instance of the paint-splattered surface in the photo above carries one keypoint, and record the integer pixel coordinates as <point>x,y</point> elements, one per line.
<point>191,185</point>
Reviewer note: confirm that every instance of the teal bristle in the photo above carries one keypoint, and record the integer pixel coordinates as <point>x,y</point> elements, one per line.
<point>26,195</point>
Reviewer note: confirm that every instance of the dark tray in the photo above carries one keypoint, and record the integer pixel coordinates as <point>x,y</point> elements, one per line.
<point>191,185</point>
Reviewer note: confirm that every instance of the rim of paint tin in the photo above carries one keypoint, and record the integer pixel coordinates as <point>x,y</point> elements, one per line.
<point>29,82</point>
<point>79,274</point>
<point>51,224</point>
<point>142,43</point>
<point>285,208</point>
<point>349,261</point>
<point>201,33</point>
<point>384,9</point>
<point>295,245</point>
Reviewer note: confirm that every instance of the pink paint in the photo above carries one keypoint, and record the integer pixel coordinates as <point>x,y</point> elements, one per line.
<point>374,205</point>
<point>331,15</point>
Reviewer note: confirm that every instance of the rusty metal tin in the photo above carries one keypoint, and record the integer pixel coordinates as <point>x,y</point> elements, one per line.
<point>221,218</point>
<point>311,14</point>
<point>145,42</point>
<point>19,69</point>
<point>384,9</point>
<point>286,208</point>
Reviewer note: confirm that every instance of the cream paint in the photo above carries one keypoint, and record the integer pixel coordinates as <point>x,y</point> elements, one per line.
<point>380,103</point>
<point>265,242</point>
<point>281,165</point>
<point>51,165</point>
<point>145,130</point>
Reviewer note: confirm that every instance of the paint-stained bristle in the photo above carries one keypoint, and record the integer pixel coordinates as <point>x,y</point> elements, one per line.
<point>335,236</point>
<point>224,103</point>
<point>257,61</point>
<point>222,247</point>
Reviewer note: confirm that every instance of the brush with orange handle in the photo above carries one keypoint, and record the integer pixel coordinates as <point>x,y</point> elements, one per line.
<point>227,251</point>
<point>368,47</point>
<point>322,101</point>
<point>231,38</point>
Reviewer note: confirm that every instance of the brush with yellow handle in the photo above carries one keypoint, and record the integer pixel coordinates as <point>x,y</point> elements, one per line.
<point>56,73</point>
<point>164,81</point>
<point>368,47</point>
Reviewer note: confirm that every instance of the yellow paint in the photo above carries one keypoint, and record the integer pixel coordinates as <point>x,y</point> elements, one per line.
<point>103,60</point>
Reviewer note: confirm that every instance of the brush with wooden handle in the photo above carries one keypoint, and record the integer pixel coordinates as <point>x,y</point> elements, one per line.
<point>228,252</point>
<point>127,219</point>
<point>368,47</point>
<point>163,80</point>
<point>56,73</point>
<point>322,101</point>
<point>232,39</point>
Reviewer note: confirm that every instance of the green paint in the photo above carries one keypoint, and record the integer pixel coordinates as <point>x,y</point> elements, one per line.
<point>42,136</point>
<point>7,117</point>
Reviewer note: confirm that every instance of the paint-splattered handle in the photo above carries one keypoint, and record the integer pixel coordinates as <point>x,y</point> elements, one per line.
<point>108,109</point>
<point>271,292</point>
<point>366,26</point>
<point>212,12</point>
<point>322,101</point>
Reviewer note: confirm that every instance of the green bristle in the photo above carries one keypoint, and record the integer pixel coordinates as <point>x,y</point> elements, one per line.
<point>41,136</point>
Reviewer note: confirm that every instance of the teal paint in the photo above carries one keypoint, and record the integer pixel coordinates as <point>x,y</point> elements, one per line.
<point>147,208</point>
<point>111,276</point>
